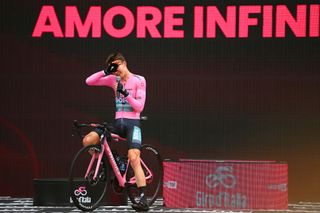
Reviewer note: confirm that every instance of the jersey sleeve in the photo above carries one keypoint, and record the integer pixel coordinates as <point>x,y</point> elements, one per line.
<point>137,103</point>
<point>100,79</point>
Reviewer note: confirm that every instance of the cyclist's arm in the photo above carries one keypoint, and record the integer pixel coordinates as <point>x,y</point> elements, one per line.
<point>137,103</point>
<point>100,79</point>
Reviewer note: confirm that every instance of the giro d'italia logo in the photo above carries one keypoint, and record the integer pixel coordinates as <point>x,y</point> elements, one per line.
<point>222,176</point>
<point>81,191</point>
<point>81,194</point>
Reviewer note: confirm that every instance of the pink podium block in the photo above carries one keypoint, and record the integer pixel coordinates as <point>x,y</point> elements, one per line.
<point>225,184</point>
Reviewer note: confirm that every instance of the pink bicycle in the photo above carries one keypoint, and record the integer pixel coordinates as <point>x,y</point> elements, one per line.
<point>92,166</point>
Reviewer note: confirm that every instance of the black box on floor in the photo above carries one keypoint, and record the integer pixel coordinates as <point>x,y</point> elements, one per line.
<point>54,192</point>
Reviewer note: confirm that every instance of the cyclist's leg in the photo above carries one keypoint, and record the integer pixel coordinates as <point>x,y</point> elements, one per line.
<point>130,129</point>
<point>134,157</point>
<point>92,138</point>
<point>134,143</point>
<point>151,164</point>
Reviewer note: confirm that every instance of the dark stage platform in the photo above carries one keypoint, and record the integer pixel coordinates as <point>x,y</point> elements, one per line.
<point>9,204</point>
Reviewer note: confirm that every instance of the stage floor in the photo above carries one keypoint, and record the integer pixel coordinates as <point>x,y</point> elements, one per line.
<point>9,204</point>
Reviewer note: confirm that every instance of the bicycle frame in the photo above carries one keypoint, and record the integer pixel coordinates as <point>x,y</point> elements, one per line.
<point>105,149</point>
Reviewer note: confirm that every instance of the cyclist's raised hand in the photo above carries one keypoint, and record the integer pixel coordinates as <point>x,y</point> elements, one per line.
<point>112,68</point>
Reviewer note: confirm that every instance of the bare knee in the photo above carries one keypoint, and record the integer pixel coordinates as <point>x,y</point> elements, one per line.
<point>134,158</point>
<point>90,139</point>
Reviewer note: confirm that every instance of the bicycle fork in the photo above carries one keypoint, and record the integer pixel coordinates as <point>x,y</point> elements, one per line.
<point>94,156</point>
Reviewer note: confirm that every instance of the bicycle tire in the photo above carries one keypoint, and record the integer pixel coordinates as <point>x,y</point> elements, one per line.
<point>95,189</point>
<point>153,160</point>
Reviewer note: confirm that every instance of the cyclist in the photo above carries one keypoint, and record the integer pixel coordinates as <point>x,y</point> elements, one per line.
<point>130,95</point>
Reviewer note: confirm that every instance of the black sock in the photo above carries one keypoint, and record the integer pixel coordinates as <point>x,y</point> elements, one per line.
<point>143,198</point>
<point>141,189</point>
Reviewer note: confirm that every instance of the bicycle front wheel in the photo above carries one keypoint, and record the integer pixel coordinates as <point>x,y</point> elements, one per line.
<point>151,163</point>
<point>86,192</point>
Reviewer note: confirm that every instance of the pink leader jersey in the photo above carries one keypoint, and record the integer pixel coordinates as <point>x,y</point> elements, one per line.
<point>126,107</point>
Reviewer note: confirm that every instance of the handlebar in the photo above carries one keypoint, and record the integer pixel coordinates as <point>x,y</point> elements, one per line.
<point>103,125</point>
<point>78,125</point>
<point>108,128</point>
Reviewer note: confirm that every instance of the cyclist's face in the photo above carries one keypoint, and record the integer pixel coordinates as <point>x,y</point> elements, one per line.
<point>121,67</point>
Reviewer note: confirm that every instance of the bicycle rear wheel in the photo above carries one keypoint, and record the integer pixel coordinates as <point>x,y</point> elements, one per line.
<point>152,159</point>
<point>87,192</point>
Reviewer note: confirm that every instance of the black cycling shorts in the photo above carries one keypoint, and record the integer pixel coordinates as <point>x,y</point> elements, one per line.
<point>127,128</point>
